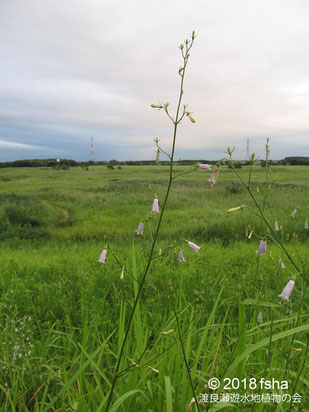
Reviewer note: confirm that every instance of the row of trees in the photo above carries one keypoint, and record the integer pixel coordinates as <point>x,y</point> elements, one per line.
<point>291,160</point>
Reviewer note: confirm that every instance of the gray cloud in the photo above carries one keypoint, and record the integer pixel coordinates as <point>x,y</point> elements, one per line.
<point>75,69</point>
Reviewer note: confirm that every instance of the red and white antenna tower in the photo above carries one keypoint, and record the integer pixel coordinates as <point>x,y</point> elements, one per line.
<point>247,151</point>
<point>91,151</point>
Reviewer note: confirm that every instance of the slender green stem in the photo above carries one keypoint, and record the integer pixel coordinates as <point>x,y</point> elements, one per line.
<point>250,171</point>
<point>269,354</point>
<point>142,282</point>
<point>166,154</point>
<point>186,362</point>
<point>185,173</point>
<point>123,266</point>
<point>272,232</point>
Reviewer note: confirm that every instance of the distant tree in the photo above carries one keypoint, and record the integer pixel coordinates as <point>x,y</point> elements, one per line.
<point>263,163</point>
<point>237,165</point>
<point>297,160</point>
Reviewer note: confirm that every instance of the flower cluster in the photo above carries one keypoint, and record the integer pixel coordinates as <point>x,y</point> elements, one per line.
<point>16,341</point>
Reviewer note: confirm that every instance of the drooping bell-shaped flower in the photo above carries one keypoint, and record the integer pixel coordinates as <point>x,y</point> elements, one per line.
<point>214,175</point>
<point>205,166</point>
<point>287,290</point>
<point>102,256</point>
<point>276,227</point>
<point>122,274</point>
<point>189,405</point>
<point>140,228</point>
<point>194,246</point>
<point>262,247</point>
<point>306,224</point>
<point>155,206</point>
<point>158,157</point>
<point>180,257</point>
<point>293,213</point>
<point>260,317</point>
<point>282,265</point>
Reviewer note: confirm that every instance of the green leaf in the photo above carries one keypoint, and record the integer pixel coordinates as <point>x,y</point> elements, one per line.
<point>169,398</point>
<point>262,343</point>
<point>122,398</point>
<point>257,302</point>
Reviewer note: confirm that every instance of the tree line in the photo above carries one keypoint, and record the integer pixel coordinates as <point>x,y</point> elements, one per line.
<point>66,163</point>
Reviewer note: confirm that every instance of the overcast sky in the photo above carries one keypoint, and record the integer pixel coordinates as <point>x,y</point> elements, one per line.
<point>80,68</point>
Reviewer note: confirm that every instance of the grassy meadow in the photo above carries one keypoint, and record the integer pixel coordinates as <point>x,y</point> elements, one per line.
<point>63,314</point>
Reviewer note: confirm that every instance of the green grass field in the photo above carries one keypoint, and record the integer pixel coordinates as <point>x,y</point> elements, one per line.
<point>63,314</point>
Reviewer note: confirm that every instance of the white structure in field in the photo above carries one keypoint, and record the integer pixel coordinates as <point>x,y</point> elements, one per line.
<point>91,151</point>
<point>247,151</point>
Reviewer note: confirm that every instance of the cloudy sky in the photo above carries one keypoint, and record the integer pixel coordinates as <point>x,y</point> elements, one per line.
<point>79,68</point>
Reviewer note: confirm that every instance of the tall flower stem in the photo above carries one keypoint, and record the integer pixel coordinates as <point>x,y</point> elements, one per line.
<point>185,49</point>
<point>271,230</point>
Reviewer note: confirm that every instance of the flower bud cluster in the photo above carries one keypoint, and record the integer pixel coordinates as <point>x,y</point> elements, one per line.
<point>16,341</point>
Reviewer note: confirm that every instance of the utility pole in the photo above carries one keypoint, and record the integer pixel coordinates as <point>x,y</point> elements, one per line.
<point>247,151</point>
<point>91,151</point>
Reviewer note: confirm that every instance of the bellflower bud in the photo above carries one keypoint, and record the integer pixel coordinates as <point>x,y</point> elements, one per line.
<point>282,265</point>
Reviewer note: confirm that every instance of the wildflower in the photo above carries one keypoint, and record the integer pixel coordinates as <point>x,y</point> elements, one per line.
<point>214,175</point>
<point>122,273</point>
<point>180,257</point>
<point>250,234</point>
<point>260,317</point>
<point>140,229</point>
<point>262,247</point>
<point>190,404</point>
<point>287,290</point>
<point>281,264</point>
<point>205,166</point>
<point>306,224</point>
<point>293,213</point>
<point>276,227</point>
<point>102,256</point>
<point>155,206</point>
<point>194,246</point>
